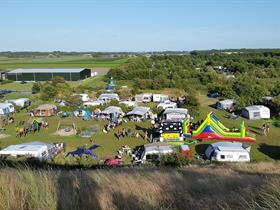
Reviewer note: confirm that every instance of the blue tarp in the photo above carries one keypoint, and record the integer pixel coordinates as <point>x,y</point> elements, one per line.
<point>83,151</point>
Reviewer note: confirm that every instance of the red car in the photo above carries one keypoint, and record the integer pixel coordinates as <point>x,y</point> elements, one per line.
<point>113,161</point>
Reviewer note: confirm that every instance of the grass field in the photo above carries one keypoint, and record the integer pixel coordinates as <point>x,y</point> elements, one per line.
<point>238,186</point>
<point>61,62</point>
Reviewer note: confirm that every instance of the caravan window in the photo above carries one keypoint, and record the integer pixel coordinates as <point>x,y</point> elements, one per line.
<point>256,114</point>
<point>152,157</point>
<point>222,156</point>
<point>242,157</point>
<point>229,156</point>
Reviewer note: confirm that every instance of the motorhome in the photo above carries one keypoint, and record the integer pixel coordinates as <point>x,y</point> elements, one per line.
<point>167,104</point>
<point>21,102</point>
<point>160,97</point>
<point>152,152</point>
<point>145,97</point>
<point>228,152</point>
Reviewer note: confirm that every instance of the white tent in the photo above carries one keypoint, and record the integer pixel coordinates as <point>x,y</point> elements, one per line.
<point>228,152</point>
<point>256,112</point>
<point>39,150</point>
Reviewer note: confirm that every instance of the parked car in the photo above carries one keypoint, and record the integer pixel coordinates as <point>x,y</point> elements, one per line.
<point>213,95</point>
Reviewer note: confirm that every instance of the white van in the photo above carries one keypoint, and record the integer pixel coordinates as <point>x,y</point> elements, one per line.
<point>228,152</point>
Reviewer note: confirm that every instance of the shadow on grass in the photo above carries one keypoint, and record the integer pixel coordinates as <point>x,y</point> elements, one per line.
<point>255,130</point>
<point>270,150</point>
<point>76,191</point>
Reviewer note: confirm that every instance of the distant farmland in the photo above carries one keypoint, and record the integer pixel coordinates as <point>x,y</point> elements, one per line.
<point>60,62</point>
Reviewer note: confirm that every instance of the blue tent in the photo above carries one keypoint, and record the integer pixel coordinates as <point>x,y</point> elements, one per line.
<point>84,113</point>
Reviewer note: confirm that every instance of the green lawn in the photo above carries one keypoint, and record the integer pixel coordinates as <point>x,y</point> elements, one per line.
<point>61,62</point>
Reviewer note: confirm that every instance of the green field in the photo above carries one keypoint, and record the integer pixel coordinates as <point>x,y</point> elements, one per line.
<point>60,62</point>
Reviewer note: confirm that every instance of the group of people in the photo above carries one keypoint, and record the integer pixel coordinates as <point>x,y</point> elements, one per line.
<point>22,130</point>
<point>127,133</point>
<point>265,129</point>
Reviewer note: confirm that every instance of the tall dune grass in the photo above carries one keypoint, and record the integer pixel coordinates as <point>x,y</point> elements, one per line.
<point>246,186</point>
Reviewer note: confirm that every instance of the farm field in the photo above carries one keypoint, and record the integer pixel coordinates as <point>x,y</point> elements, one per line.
<point>60,62</point>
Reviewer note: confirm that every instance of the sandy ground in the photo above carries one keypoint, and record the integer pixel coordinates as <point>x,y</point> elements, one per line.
<point>2,136</point>
<point>62,132</point>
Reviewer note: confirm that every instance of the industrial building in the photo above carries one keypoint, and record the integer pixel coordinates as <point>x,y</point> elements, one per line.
<point>48,74</point>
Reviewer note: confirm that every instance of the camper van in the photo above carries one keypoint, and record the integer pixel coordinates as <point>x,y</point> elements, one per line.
<point>7,108</point>
<point>4,109</point>
<point>167,104</point>
<point>145,97</point>
<point>228,104</point>
<point>21,102</point>
<point>152,152</point>
<point>228,152</point>
<point>107,97</point>
<point>160,97</point>
<point>256,112</point>
<point>84,97</point>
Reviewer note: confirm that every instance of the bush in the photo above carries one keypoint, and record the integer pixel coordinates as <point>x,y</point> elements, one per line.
<point>6,82</point>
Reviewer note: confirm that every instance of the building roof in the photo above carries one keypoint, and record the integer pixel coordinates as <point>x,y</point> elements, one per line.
<point>176,110</point>
<point>139,110</point>
<point>50,70</point>
<point>256,108</point>
<point>46,106</point>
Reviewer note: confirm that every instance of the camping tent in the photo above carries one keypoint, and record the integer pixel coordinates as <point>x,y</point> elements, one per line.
<point>84,113</point>
<point>256,112</point>
<point>45,110</point>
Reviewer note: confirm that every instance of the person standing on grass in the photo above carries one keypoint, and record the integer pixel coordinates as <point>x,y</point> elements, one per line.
<point>267,127</point>
<point>146,135</point>
<point>264,129</point>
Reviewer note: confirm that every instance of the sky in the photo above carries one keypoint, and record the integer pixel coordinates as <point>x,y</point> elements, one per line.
<point>138,25</point>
